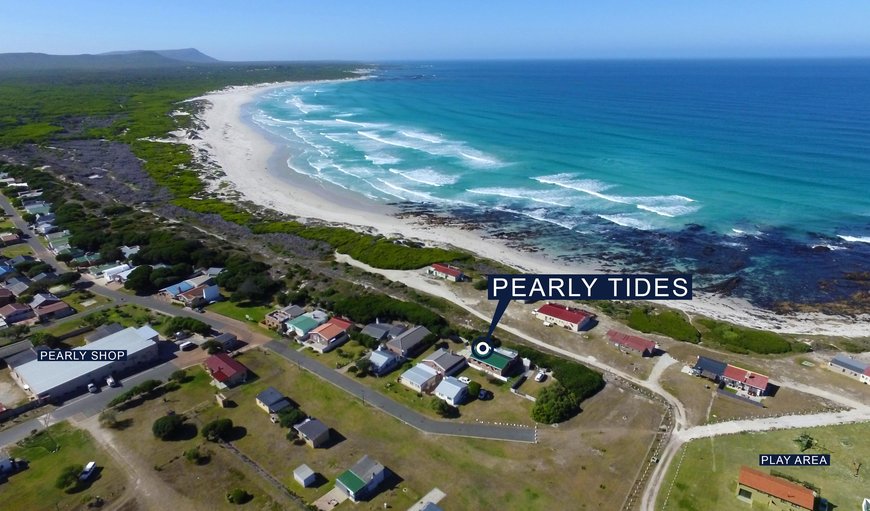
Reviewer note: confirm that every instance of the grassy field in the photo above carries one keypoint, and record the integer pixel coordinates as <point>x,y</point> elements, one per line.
<point>707,478</point>
<point>76,298</point>
<point>16,250</point>
<point>34,488</point>
<point>240,312</point>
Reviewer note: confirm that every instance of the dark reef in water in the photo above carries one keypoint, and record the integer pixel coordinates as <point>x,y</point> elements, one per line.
<point>774,270</point>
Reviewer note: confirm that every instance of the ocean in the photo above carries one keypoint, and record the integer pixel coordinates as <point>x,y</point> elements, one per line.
<point>754,175</point>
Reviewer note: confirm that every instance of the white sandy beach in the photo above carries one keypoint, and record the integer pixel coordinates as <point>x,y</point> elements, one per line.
<point>245,155</point>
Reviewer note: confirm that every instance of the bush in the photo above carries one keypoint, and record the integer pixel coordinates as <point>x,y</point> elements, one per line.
<point>183,324</point>
<point>180,376</point>
<point>577,378</point>
<point>365,308</point>
<point>238,496</point>
<point>211,346</point>
<point>670,323</point>
<point>217,430</point>
<point>197,456</point>
<point>292,435</point>
<point>473,389</point>
<point>443,409</point>
<point>555,404</point>
<point>164,427</point>
<point>290,417</point>
<point>480,284</point>
<point>69,477</point>
<point>108,419</point>
<point>743,340</point>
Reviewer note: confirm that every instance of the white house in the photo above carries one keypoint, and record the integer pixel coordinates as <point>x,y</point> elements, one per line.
<point>452,391</point>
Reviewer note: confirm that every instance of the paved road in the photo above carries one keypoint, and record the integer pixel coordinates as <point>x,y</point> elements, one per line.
<point>401,412</point>
<point>87,405</point>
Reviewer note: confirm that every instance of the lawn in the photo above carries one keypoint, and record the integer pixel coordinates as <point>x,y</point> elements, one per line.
<point>6,225</point>
<point>707,478</point>
<point>16,250</point>
<point>256,313</point>
<point>76,298</point>
<point>34,487</point>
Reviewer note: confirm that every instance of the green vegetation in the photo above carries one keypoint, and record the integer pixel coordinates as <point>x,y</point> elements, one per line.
<point>375,251</point>
<point>167,426</point>
<point>238,496</point>
<point>576,378</point>
<point>197,455</point>
<point>555,404</point>
<point>185,324</point>
<point>217,430</point>
<point>443,409</point>
<point>365,308</point>
<point>289,417</point>
<point>666,322</point>
<point>145,390</point>
<point>706,479</point>
<point>48,453</point>
<point>68,478</point>
<point>747,340</point>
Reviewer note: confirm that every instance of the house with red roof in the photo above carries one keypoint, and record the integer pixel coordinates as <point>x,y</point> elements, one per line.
<point>629,343</point>
<point>754,486</point>
<point>753,383</point>
<point>225,370</point>
<point>329,335</point>
<point>445,271</point>
<point>564,316</point>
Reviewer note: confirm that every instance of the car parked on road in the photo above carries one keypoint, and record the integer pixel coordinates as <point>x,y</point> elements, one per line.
<point>93,389</point>
<point>110,381</point>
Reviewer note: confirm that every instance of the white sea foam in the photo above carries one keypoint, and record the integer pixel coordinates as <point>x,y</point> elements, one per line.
<point>626,220</point>
<point>854,239</point>
<point>662,205</point>
<point>537,214</point>
<point>382,159</point>
<point>830,247</point>
<point>478,157</point>
<point>539,196</point>
<point>419,135</point>
<point>302,106</point>
<point>354,123</point>
<point>426,176</point>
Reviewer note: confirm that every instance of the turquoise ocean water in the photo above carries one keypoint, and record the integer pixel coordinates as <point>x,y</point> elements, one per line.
<point>753,171</point>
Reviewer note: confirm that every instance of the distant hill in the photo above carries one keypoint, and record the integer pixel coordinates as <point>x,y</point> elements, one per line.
<point>139,59</point>
<point>184,55</point>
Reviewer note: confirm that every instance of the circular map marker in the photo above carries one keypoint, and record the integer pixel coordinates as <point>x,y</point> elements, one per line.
<point>481,348</point>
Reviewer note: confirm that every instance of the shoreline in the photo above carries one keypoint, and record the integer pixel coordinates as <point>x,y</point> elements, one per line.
<point>254,164</point>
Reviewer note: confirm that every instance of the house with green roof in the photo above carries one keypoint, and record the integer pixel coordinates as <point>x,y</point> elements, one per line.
<point>361,481</point>
<point>501,363</point>
<point>305,323</point>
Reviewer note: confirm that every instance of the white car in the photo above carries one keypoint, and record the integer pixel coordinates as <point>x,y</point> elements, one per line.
<point>464,379</point>
<point>541,376</point>
<point>110,381</point>
<point>89,469</point>
<point>92,388</point>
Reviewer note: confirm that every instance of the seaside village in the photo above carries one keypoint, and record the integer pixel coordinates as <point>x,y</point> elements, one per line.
<point>36,293</point>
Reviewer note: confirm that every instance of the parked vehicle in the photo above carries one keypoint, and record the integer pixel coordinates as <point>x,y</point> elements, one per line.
<point>484,395</point>
<point>186,346</point>
<point>88,471</point>
<point>541,376</point>
<point>465,379</point>
<point>92,388</point>
<point>110,381</point>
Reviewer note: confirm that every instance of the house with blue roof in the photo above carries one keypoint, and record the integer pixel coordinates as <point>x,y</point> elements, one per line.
<point>850,366</point>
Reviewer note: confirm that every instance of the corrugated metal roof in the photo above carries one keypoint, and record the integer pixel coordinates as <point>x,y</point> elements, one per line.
<point>849,363</point>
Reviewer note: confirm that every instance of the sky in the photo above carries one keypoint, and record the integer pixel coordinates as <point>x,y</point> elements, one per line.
<point>375,30</point>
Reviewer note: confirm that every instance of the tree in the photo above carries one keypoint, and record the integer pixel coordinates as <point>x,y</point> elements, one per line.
<point>166,426</point>
<point>44,339</point>
<point>290,417</point>
<point>65,257</point>
<point>217,430</point>
<point>443,409</point>
<point>69,477</point>
<point>108,418</point>
<point>362,366</point>
<point>479,284</point>
<point>180,376</point>
<point>238,496</point>
<point>805,442</point>
<point>211,346</point>
<point>197,456</point>
<point>69,278</point>
<point>473,389</point>
<point>15,333</point>
<point>139,280</point>
<point>554,404</point>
